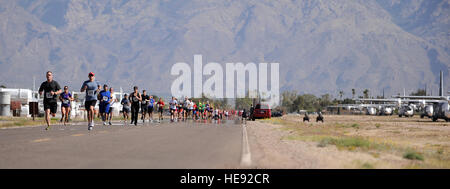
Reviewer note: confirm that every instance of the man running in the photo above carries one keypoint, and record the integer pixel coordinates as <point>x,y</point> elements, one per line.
<point>51,89</point>
<point>191,109</point>
<point>160,105</point>
<point>111,106</point>
<point>207,109</point>
<point>144,105</point>
<point>135,98</point>
<point>185,107</point>
<point>180,111</point>
<point>173,108</point>
<point>65,99</point>
<point>92,88</point>
<point>105,102</point>
<point>151,103</point>
<point>195,112</point>
<point>126,108</point>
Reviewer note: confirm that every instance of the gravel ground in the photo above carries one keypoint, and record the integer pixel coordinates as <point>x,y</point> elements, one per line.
<point>271,147</point>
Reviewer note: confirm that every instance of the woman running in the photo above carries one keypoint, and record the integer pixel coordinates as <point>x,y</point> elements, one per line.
<point>65,99</point>
<point>111,108</point>
<point>126,108</point>
<point>160,105</point>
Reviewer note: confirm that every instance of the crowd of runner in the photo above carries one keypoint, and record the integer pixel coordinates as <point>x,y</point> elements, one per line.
<point>134,103</point>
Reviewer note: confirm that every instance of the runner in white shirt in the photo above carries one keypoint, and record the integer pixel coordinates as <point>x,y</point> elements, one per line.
<point>173,108</point>
<point>185,108</point>
<point>111,108</point>
<point>191,108</point>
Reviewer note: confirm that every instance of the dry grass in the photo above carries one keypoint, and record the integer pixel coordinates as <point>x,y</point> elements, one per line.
<point>424,143</point>
<point>28,121</point>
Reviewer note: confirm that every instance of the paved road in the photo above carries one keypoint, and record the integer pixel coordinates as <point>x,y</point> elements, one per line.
<point>164,145</point>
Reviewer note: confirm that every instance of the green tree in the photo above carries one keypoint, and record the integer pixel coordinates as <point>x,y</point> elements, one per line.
<point>353,93</point>
<point>419,92</point>
<point>366,93</point>
<point>341,93</point>
<point>287,100</point>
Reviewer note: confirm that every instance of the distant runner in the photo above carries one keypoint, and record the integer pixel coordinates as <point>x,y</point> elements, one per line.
<point>200,109</point>
<point>65,99</point>
<point>191,109</point>
<point>111,106</point>
<point>126,108</point>
<point>151,103</point>
<point>173,108</point>
<point>144,105</point>
<point>105,102</point>
<point>51,89</point>
<point>207,109</point>
<point>160,105</point>
<point>185,103</point>
<point>92,88</point>
<point>180,111</point>
<point>195,112</point>
<point>135,98</point>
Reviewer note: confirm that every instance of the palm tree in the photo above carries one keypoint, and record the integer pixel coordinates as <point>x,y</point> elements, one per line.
<point>341,93</point>
<point>353,93</point>
<point>366,93</point>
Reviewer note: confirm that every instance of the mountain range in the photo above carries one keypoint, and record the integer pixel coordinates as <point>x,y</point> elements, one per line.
<point>323,46</point>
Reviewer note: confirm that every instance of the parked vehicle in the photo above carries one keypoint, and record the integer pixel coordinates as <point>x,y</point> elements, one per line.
<point>261,111</point>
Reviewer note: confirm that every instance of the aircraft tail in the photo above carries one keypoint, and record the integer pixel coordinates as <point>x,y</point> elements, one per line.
<point>441,84</point>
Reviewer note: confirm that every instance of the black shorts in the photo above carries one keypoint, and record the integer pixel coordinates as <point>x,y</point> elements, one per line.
<point>88,104</point>
<point>172,111</point>
<point>144,108</point>
<point>51,105</point>
<point>110,110</point>
<point>126,110</point>
<point>150,109</point>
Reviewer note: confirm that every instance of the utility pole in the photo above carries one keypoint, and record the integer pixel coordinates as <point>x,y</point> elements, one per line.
<point>34,83</point>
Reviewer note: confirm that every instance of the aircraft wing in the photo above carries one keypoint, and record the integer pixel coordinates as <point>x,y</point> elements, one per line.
<point>378,100</point>
<point>423,101</point>
<point>423,97</point>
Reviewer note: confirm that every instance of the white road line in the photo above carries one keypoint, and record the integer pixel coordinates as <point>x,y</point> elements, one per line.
<point>41,140</point>
<point>246,159</point>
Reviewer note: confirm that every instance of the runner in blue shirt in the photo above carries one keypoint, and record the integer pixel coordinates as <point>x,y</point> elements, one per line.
<point>151,103</point>
<point>65,99</point>
<point>92,88</point>
<point>105,102</point>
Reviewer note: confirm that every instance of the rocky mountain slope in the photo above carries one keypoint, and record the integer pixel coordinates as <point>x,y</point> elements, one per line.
<point>323,46</point>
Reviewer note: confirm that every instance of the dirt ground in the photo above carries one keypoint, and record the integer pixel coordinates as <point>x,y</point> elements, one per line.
<point>349,141</point>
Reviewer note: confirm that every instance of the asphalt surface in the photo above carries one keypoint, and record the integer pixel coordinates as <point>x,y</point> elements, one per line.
<point>184,145</point>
